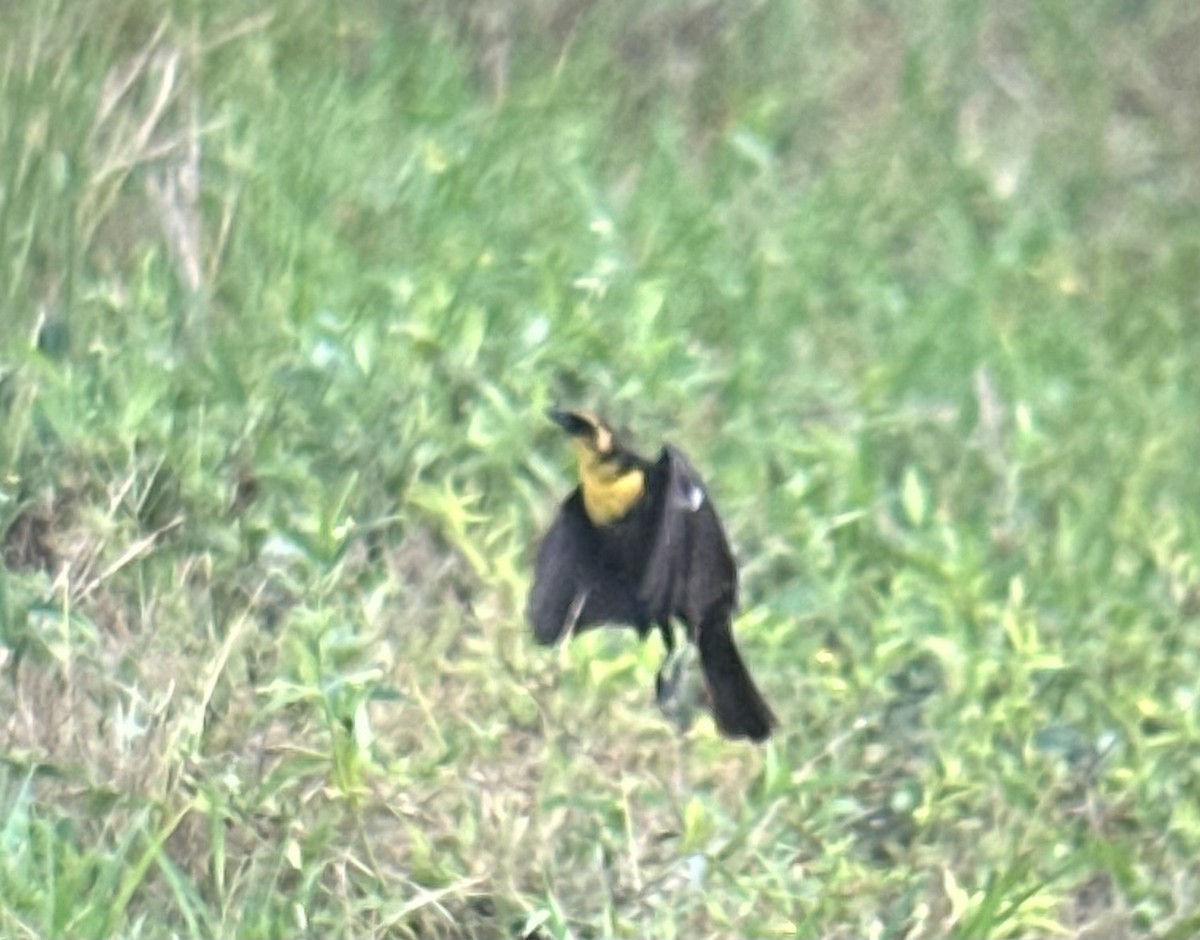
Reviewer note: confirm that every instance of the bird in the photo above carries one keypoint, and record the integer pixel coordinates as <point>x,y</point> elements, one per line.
<point>639,543</point>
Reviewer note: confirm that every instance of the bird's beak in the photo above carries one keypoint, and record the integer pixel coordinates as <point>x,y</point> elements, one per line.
<point>570,422</point>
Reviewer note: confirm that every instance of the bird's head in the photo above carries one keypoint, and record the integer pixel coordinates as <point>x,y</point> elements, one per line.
<point>592,439</point>
<point>611,477</point>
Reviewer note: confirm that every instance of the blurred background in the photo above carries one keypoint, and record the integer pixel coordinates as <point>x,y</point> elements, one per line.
<point>286,289</point>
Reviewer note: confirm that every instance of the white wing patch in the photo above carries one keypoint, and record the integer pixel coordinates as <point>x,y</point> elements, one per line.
<point>690,495</point>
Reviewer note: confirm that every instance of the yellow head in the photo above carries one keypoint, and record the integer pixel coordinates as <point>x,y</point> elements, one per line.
<point>611,482</point>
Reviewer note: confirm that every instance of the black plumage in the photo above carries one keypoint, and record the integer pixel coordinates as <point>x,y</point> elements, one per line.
<point>666,557</point>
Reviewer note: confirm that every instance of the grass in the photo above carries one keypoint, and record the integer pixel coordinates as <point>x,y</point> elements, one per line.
<point>285,292</point>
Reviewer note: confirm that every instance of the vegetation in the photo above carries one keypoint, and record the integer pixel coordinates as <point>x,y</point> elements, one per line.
<point>286,288</point>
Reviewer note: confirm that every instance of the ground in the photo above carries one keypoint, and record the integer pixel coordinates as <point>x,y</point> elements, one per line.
<point>286,290</point>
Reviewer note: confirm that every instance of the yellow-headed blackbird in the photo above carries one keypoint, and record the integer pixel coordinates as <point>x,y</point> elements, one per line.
<point>638,543</point>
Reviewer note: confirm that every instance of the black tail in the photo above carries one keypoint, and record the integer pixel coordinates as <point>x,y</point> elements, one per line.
<point>738,707</point>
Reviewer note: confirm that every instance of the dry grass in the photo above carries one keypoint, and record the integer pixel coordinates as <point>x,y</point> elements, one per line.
<point>285,296</point>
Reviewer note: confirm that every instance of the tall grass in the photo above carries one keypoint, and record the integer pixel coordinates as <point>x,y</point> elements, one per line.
<point>285,291</point>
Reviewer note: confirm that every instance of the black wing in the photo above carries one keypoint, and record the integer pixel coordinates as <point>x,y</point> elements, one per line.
<point>690,569</point>
<point>691,574</point>
<point>573,587</point>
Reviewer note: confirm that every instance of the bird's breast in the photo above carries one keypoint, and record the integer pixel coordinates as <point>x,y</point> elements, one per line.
<point>607,500</point>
